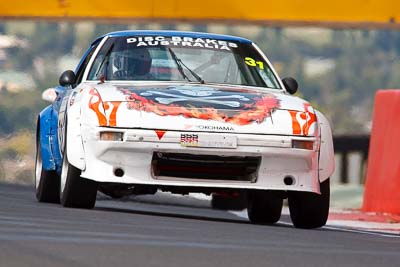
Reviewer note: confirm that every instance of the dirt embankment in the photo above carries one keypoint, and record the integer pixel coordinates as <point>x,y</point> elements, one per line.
<point>17,158</point>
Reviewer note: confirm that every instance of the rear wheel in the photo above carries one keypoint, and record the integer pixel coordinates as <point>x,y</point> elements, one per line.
<point>310,210</point>
<point>47,183</point>
<point>76,192</point>
<point>264,207</point>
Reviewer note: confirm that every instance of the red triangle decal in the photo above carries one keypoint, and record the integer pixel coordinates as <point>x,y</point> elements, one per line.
<point>160,133</point>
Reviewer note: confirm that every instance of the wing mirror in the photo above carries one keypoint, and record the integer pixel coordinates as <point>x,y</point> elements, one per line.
<point>67,78</point>
<point>290,84</point>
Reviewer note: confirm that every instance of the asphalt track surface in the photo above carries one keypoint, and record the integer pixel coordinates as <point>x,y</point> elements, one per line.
<point>118,233</point>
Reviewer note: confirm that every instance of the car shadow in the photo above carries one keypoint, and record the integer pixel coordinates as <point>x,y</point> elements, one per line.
<point>181,211</point>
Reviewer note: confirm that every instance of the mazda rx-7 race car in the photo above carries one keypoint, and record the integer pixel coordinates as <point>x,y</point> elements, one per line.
<point>184,112</point>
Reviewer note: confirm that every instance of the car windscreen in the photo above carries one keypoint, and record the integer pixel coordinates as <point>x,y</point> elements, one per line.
<point>176,58</point>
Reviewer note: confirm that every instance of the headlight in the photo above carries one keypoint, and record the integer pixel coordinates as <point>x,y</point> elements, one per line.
<point>303,144</point>
<point>111,136</point>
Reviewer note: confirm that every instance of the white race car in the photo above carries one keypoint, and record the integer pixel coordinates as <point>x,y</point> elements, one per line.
<point>184,112</point>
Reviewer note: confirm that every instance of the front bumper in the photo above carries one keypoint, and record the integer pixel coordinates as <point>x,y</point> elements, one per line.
<point>134,155</point>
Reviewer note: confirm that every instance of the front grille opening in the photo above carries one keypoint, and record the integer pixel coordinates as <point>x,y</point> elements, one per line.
<point>207,167</point>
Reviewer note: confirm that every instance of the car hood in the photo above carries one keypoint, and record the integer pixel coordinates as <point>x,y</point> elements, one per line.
<point>211,108</point>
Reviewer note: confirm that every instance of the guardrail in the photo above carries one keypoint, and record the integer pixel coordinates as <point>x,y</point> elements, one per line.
<point>346,144</point>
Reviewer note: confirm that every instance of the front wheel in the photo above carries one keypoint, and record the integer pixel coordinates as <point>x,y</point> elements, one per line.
<point>264,206</point>
<point>310,210</point>
<point>76,192</point>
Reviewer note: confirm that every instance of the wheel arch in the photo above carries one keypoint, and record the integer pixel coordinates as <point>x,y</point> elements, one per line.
<point>75,150</point>
<point>326,152</point>
<point>46,130</point>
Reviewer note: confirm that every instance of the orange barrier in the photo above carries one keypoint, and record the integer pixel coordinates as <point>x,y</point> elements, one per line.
<point>382,188</point>
<point>359,13</point>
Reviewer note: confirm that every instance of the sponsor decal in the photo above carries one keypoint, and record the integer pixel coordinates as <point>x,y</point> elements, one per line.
<point>215,128</point>
<point>302,121</point>
<point>146,41</point>
<point>189,139</point>
<point>205,103</point>
<point>210,127</point>
<point>100,109</point>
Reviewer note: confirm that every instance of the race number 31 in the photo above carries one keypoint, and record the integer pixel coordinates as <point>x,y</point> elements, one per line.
<point>251,62</point>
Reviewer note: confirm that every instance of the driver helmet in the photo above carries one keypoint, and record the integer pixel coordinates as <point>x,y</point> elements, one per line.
<point>137,61</point>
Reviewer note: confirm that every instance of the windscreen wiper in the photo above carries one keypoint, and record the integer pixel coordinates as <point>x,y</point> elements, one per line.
<point>179,63</point>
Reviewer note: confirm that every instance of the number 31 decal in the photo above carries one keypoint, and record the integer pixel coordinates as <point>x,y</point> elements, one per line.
<point>251,62</point>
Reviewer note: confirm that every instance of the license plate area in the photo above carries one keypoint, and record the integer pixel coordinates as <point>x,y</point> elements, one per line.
<point>208,140</point>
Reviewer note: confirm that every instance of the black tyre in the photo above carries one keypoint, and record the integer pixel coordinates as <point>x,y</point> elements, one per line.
<point>264,207</point>
<point>227,202</point>
<point>76,192</point>
<point>310,210</point>
<point>47,183</point>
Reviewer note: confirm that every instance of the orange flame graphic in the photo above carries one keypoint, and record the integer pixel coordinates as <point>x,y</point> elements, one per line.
<point>256,112</point>
<point>96,105</point>
<point>302,121</point>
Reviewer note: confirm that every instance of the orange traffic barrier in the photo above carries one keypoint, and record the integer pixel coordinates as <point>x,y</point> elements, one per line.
<point>382,188</point>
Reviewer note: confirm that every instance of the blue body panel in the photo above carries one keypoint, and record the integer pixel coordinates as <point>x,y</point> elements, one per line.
<point>48,139</point>
<point>179,34</point>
